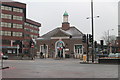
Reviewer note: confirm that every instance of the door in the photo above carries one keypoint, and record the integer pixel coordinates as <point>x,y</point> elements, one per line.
<point>60,53</point>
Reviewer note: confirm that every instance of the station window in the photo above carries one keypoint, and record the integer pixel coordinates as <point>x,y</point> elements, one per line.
<point>78,49</point>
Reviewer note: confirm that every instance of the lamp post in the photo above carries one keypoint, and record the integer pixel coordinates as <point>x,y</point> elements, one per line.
<point>92,24</point>
<point>92,30</point>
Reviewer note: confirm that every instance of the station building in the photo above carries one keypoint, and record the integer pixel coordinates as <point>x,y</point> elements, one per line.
<point>14,26</point>
<point>64,41</point>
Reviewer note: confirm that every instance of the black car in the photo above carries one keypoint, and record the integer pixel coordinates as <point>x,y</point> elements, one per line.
<point>4,57</point>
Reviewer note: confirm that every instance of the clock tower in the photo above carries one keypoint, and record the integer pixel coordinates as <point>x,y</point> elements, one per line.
<point>65,23</point>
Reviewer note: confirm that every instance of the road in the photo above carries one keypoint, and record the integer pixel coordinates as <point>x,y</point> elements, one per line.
<point>50,68</point>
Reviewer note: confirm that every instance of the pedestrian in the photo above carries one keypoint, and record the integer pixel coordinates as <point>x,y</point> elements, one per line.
<point>41,54</point>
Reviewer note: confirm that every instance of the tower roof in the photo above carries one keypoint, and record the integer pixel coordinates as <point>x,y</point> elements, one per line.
<point>65,14</point>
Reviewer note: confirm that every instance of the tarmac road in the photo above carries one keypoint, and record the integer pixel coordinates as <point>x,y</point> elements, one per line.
<point>50,68</point>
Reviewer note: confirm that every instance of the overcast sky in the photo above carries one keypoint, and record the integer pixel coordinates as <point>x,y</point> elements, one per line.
<point>50,14</point>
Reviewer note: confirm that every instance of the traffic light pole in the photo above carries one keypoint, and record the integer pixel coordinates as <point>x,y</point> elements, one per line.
<point>92,21</point>
<point>87,49</point>
<point>1,63</point>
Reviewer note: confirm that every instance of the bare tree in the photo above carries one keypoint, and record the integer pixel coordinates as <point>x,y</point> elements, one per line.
<point>108,38</point>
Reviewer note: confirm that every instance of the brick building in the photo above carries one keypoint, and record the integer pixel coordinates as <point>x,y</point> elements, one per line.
<point>14,26</point>
<point>65,41</point>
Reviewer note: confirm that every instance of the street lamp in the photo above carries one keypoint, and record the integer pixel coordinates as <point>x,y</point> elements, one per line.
<point>109,49</point>
<point>93,17</point>
<point>92,24</point>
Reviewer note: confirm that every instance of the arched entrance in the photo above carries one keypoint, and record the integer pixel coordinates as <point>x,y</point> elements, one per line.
<point>59,49</point>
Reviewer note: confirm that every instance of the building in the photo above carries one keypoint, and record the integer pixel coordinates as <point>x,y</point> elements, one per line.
<point>16,28</point>
<point>65,41</point>
<point>118,38</point>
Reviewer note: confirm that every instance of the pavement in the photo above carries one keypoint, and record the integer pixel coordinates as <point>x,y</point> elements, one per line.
<point>51,68</point>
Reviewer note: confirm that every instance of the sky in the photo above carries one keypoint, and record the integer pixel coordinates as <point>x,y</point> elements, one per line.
<point>50,14</point>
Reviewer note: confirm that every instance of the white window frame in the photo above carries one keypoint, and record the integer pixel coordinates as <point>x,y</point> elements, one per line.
<point>79,49</point>
<point>43,50</point>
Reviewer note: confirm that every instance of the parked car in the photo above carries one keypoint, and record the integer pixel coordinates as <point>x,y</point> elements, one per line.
<point>102,55</point>
<point>117,54</point>
<point>114,55</point>
<point>4,57</point>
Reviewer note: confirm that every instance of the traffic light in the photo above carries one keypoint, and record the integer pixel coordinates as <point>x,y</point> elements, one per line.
<point>20,44</point>
<point>31,43</point>
<point>95,44</point>
<point>101,43</point>
<point>84,38</point>
<point>90,38</point>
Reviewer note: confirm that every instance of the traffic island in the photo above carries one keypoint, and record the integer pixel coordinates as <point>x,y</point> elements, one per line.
<point>109,60</point>
<point>90,62</point>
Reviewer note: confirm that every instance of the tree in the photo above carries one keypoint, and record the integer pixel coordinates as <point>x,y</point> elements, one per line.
<point>108,38</point>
